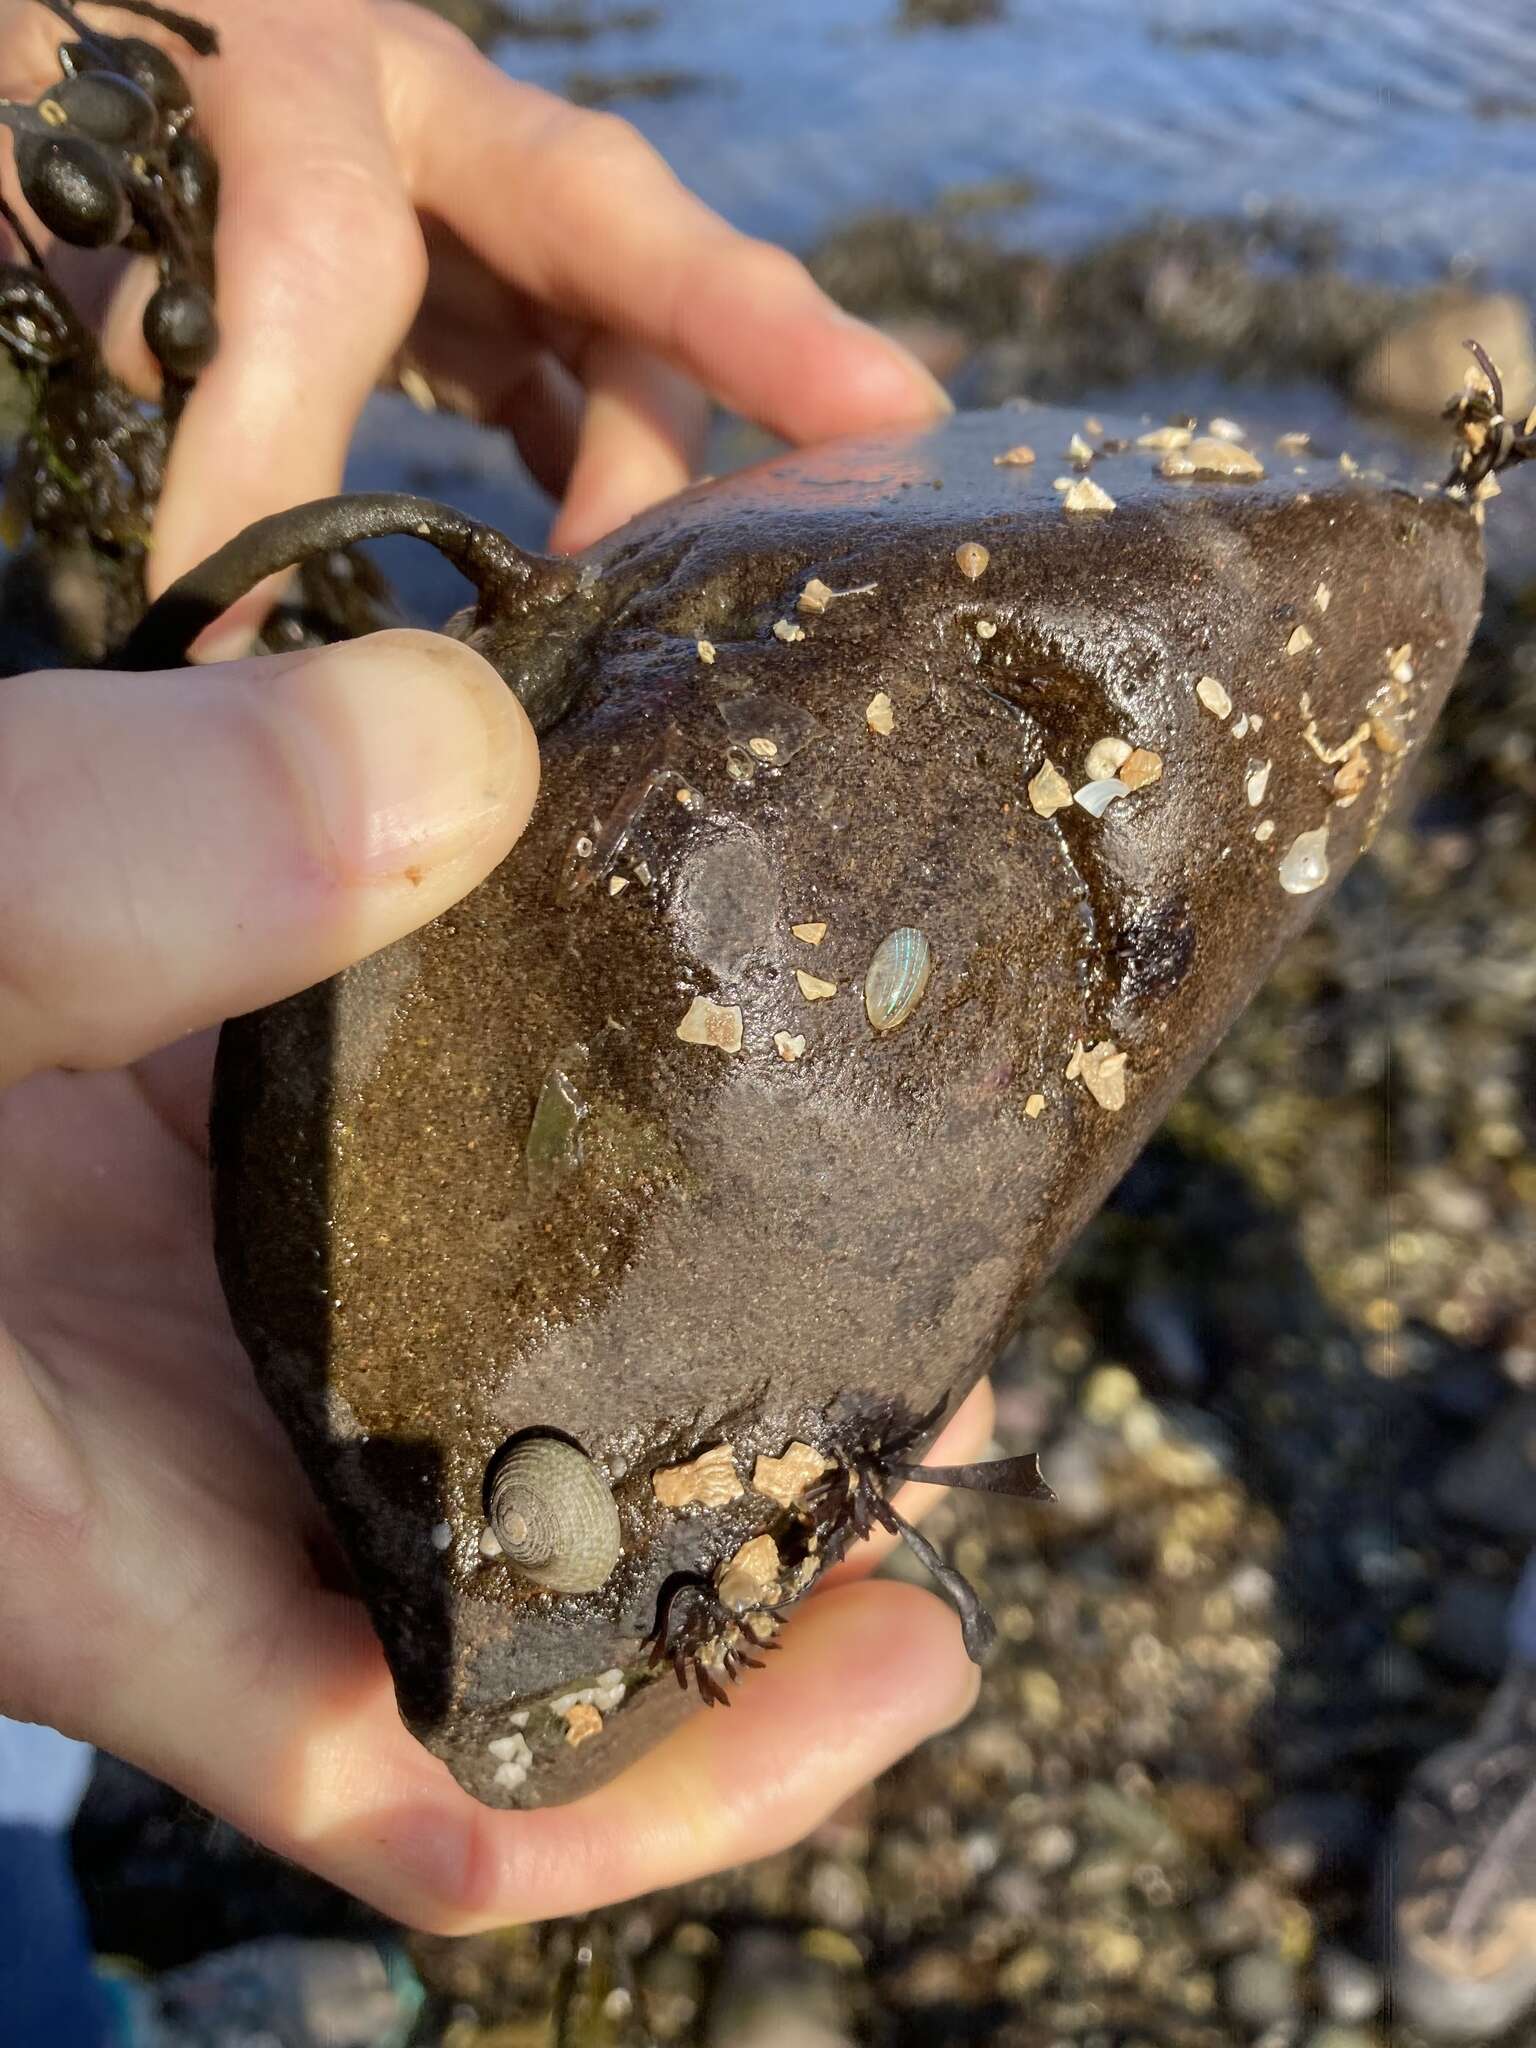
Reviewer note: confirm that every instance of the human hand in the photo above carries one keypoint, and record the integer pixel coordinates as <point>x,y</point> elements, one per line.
<point>175,849</point>
<point>384,185</point>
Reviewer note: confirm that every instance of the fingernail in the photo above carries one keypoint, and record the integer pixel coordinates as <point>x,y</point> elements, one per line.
<point>917,371</point>
<point>411,747</point>
<point>963,1702</point>
<point>233,637</point>
<point>228,641</point>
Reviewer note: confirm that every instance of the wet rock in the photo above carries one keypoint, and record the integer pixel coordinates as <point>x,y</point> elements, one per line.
<point>1492,1483</point>
<point>1318,1837</point>
<point>1260,1989</point>
<point>377,1128</point>
<point>1462,1877</point>
<point>1420,360</point>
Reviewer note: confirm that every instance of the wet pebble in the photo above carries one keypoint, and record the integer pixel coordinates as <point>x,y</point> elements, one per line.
<point>1349,1987</point>
<point>1260,1988</point>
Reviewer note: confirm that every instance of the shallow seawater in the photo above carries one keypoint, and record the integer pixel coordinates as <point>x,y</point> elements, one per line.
<point>1411,126</point>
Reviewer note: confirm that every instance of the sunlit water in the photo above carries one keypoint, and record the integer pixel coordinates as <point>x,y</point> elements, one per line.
<point>1412,126</point>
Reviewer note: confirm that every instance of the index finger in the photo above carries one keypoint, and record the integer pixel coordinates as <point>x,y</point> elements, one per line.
<point>581,215</point>
<point>320,270</point>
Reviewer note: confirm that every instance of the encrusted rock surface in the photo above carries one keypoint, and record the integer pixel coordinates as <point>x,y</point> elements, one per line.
<point>707,1244</point>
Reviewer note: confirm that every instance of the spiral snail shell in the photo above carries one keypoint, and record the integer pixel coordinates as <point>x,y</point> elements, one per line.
<point>554,1515</point>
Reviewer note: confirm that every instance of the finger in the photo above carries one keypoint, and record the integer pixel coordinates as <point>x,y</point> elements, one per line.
<point>600,230</point>
<point>285,1723</point>
<point>179,848</point>
<point>320,267</point>
<point>641,434</point>
<point>965,1436</point>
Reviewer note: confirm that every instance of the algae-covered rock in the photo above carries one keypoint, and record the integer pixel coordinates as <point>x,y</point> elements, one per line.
<point>909,840</point>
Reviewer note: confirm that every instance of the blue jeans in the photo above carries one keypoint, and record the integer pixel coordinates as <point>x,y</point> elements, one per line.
<point>48,1995</point>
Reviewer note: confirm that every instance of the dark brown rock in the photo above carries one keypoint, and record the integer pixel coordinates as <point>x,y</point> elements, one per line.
<point>711,1246</point>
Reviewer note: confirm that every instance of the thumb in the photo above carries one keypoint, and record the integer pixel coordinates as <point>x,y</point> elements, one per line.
<point>179,848</point>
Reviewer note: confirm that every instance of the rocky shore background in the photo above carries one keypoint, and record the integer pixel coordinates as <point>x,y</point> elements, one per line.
<point>1286,1384</point>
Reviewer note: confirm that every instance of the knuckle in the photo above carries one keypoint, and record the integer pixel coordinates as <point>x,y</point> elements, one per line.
<point>591,147</point>
<point>426,30</point>
<point>363,221</point>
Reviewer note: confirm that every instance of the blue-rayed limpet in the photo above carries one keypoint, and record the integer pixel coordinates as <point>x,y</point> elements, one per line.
<point>897,978</point>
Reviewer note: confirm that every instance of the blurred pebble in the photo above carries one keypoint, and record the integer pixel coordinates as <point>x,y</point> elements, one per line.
<point>770,1994</point>
<point>296,1993</point>
<point>1259,1989</point>
<point>1492,1483</point>
<point>1310,1836</point>
<point>1421,360</point>
<point>1468,1626</point>
<point>1350,1989</point>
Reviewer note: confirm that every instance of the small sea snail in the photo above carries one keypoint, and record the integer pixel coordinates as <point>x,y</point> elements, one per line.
<point>554,1515</point>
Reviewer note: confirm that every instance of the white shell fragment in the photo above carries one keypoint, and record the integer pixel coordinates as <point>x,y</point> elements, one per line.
<point>1014,458</point>
<point>1049,791</point>
<point>1101,1069</point>
<point>1086,496</point>
<point>1165,439</point>
<point>880,714</point>
<point>1264,831</point>
<point>971,559</point>
<point>1299,641</point>
<point>785,1479</point>
<point>813,988</point>
<point>1096,797</point>
<point>511,1749</point>
<point>716,1024</point>
<point>897,978</point>
<point>1211,457</point>
<point>1305,865</point>
<point>789,1045</point>
<point>812,933</point>
<point>1214,697</point>
<point>1104,1075</point>
<point>1256,781</point>
<point>753,1577</point>
<point>1078,449</point>
<point>706,650</point>
<point>1322,597</point>
<point>786,629</point>
<point>1105,757</point>
<point>815,597</point>
<point>1141,767</point>
<point>1034,1106</point>
<point>707,1481</point>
